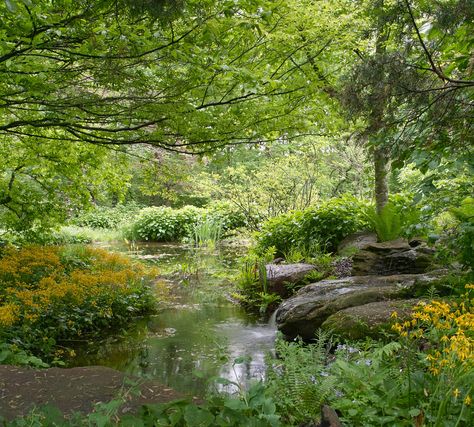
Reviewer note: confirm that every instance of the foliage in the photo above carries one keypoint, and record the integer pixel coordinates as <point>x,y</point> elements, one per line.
<point>264,183</point>
<point>167,224</point>
<point>87,84</point>
<point>465,233</point>
<point>298,379</point>
<point>50,295</point>
<point>10,354</point>
<point>321,227</point>
<point>431,386</point>
<point>228,215</point>
<point>252,284</point>
<point>439,385</point>
<point>163,223</point>
<point>423,378</point>
<point>395,220</point>
<point>206,232</point>
<point>106,217</point>
<point>253,408</point>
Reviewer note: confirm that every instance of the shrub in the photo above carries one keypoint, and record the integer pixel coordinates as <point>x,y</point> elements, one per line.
<point>106,217</point>
<point>321,227</point>
<point>164,224</point>
<point>464,239</point>
<point>229,216</point>
<point>49,294</point>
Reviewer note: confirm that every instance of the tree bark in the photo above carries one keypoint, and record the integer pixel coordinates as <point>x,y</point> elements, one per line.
<point>382,170</point>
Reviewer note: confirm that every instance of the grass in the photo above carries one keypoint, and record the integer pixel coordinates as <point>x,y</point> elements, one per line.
<point>73,233</point>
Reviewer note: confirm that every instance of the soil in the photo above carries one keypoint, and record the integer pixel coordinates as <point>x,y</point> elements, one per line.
<point>75,389</point>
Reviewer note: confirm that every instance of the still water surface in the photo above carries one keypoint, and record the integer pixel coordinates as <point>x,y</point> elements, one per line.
<point>199,336</point>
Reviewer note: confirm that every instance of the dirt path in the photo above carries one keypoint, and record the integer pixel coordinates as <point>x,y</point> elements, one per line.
<point>73,390</point>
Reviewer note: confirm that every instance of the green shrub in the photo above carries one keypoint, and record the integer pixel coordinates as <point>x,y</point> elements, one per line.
<point>106,217</point>
<point>315,228</point>
<point>464,239</point>
<point>230,217</point>
<point>164,224</point>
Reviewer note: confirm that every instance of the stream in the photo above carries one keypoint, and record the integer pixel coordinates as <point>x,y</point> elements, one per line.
<point>201,336</point>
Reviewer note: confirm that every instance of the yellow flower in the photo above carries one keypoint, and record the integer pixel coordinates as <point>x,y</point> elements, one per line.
<point>394,315</point>
<point>468,400</point>
<point>8,314</point>
<point>456,393</point>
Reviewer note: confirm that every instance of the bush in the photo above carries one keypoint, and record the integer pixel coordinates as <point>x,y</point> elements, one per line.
<point>315,228</point>
<point>230,217</point>
<point>464,239</point>
<point>49,294</point>
<point>106,217</point>
<point>164,224</point>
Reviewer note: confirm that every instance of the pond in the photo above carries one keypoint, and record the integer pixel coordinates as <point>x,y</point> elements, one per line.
<point>200,336</point>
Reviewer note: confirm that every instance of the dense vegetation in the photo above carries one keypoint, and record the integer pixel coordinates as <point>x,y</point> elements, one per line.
<point>290,125</point>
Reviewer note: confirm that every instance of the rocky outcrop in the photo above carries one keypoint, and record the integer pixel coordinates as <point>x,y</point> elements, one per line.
<point>369,320</point>
<point>279,276</point>
<point>302,314</point>
<point>394,257</point>
<point>355,242</point>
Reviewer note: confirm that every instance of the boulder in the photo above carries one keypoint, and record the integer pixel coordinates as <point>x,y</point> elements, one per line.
<point>302,314</point>
<point>356,241</point>
<point>369,320</point>
<point>394,257</point>
<point>280,275</point>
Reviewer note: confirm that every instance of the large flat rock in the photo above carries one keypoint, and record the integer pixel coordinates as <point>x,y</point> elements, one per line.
<point>369,320</point>
<point>302,314</point>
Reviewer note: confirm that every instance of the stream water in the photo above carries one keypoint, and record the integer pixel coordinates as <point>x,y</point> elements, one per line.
<point>201,336</point>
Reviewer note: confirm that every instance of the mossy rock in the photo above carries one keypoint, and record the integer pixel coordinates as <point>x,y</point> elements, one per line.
<point>372,320</point>
<point>305,312</point>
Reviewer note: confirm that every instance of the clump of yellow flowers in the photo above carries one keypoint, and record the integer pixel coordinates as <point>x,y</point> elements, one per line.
<point>69,291</point>
<point>447,330</point>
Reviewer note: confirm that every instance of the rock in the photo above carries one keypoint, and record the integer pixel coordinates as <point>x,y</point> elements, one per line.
<point>302,314</point>
<point>329,417</point>
<point>369,320</point>
<point>280,275</point>
<point>394,257</point>
<point>356,241</point>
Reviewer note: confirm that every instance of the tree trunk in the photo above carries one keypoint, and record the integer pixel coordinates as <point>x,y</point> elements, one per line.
<point>382,170</point>
<point>381,155</point>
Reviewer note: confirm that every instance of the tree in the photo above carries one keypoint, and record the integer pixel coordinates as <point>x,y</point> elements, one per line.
<point>86,72</point>
<point>420,73</point>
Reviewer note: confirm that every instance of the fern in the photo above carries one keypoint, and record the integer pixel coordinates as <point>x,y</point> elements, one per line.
<point>298,379</point>
<point>387,224</point>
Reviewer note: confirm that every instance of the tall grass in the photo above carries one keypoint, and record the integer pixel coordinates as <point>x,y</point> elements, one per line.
<point>207,232</point>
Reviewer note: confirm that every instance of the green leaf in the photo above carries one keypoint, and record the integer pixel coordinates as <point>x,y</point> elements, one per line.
<point>11,5</point>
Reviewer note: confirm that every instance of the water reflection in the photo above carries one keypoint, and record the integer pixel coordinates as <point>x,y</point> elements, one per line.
<point>198,338</point>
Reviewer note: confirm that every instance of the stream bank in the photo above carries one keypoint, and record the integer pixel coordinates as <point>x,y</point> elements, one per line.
<point>199,337</point>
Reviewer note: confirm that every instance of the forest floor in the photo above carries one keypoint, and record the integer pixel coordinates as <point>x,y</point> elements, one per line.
<point>75,390</point>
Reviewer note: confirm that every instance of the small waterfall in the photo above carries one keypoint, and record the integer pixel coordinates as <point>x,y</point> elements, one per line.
<point>272,320</point>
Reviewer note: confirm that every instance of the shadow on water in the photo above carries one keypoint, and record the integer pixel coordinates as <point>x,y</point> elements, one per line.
<point>197,338</point>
